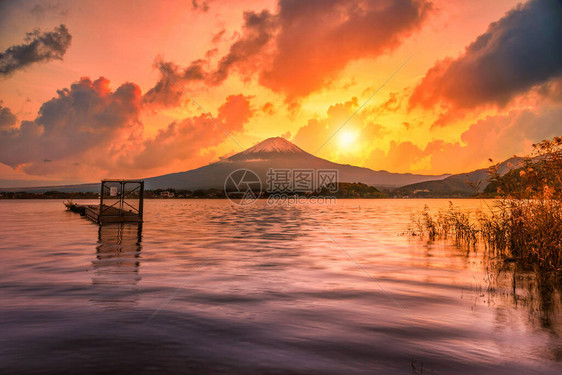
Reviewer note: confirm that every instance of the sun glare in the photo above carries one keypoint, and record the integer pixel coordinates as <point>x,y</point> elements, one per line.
<point>347,139</point>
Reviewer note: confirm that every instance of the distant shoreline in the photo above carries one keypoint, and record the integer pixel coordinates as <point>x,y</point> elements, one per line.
<point>38,197</point>
<point>344,191</point>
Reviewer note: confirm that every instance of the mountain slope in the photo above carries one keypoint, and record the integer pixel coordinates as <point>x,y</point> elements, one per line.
<point>276,153</point>
<point>463,184</point>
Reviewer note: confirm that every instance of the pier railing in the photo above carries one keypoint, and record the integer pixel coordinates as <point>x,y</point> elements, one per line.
<point>121,198</point>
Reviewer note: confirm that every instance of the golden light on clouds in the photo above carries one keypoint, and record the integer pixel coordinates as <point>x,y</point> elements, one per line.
<point>268,68</point>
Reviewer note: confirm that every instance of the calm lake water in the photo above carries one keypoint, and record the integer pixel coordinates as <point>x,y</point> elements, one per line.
<point>208,287</point>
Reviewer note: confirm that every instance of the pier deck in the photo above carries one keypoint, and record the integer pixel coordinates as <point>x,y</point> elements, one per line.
<point>121,201</point>
<point>110,215</point>
<point>106,215</point>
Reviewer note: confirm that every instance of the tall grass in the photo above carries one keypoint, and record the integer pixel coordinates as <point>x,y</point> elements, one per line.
<point>524,224</point>
<point>450,224</point>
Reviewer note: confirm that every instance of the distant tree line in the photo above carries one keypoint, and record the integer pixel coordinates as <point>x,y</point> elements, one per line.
<point>344,191</point>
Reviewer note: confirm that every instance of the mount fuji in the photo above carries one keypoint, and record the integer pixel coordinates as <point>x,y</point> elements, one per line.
<point>276,153</point>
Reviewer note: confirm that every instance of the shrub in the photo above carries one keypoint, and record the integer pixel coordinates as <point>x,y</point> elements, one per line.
<point>525,223</point>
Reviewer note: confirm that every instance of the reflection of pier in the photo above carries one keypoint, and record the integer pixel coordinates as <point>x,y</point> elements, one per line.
<point>116,267</point>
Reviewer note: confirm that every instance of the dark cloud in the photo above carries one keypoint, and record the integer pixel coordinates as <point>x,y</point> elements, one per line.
<point>200,5</point>
<point>89,129</point>
<point>82,117</point>
<point>521,50</point>
<point>551,91</point>
<point>44,9</point>
<point>7,118</point>
<point>256,33</point>
<point>318,38</point>
<point>218,36</point>
<point>38,47</point>
<point>166,93</point>
<point>302,47</point>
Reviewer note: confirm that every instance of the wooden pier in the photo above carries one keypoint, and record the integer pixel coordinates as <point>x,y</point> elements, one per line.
<point>121,201</point>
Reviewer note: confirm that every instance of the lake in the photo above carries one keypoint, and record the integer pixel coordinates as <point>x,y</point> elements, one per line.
<point>205,286</point>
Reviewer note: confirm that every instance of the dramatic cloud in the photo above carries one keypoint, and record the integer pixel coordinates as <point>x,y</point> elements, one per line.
<point>318,38</point>
<point>302,47</point>
<point>38,47</point>
<point>200,5</point>
<point>90,129</point>
<point>400,157</point>
<point>166,92</point>
<point>7,118</point>
<point>79,119</point>
<point>184,140</point>
<point>519,51</point>
<point>498,137</point>
<point>256,33</point>
<point>41,10</point>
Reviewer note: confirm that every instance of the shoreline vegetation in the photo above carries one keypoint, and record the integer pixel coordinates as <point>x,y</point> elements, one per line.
<point>524,225</point>
<point>345,191</point>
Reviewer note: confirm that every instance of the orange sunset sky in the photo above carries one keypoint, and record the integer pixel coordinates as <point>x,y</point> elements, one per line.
<point>82,97</point>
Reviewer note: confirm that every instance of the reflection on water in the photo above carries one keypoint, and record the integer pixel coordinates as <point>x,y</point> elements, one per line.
<point>218,288</point>
<point>504,282</point>
<point>507,288</point>
<point>540,294</point>
<point>116,267</point>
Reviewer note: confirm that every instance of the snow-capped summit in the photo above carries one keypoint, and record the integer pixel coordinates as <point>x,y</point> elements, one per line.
<point>274,144</point>
<point>270,148</point>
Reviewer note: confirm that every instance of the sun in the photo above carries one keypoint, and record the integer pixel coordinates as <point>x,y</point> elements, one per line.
<point>347,139</point>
